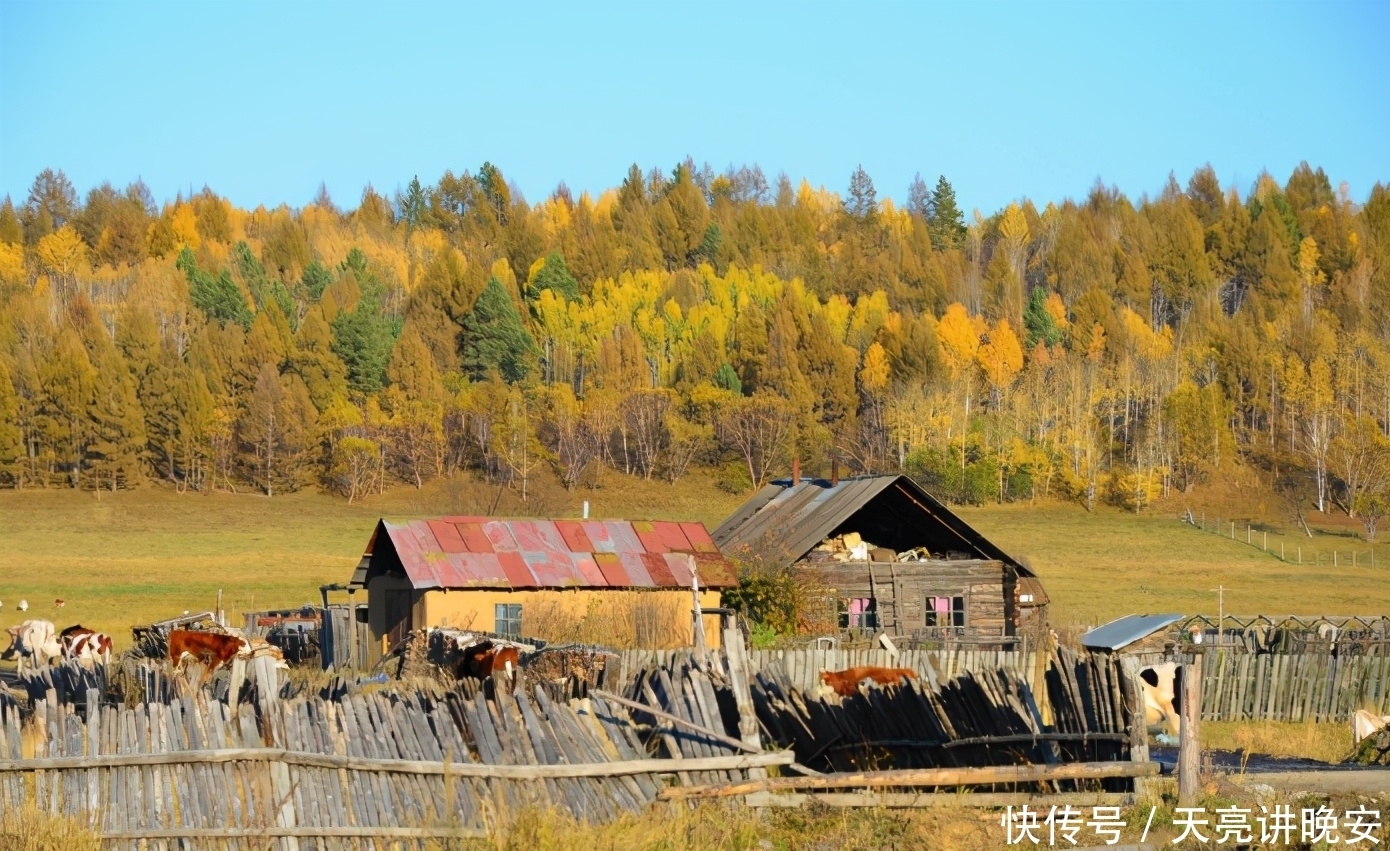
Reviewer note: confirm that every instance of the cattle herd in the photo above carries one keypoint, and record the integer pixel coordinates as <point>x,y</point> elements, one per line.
<point>38,643</point>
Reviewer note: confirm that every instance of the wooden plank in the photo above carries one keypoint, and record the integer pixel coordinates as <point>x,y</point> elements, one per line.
<point>904,800</point>
<point>975,776</point>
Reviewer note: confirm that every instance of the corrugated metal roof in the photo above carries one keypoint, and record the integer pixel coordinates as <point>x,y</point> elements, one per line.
<point>1126,630</point>
<point>485,552</point>
<point>786,520</point>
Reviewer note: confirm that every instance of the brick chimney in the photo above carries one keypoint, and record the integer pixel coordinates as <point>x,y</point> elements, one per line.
<point>834,471</point>
<point>796,470</point>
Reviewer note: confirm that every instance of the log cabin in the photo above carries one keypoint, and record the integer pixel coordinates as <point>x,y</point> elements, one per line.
<point>917,570</point>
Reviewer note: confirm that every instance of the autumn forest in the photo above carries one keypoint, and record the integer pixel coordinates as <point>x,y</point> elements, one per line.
<point>1101,350</point>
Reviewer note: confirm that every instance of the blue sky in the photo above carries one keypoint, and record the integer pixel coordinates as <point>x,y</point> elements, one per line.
<point>262,102</point>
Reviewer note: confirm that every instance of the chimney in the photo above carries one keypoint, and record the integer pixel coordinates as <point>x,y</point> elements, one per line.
<point>834,471</point>
<point>796,470</point>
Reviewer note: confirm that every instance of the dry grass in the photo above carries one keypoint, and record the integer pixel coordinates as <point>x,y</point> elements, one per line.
<point>31,829</point>
<point>1323,742</point>
<point>719,826</point>
<point>624,619</point>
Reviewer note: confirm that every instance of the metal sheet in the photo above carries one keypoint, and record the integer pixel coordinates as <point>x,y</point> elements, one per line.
<point>551,569</point>
<point>659,571</point>
<point>699,539</point>
<point>611,566</point>
<point>624,539</point>
<point>518,573</point>
<point>474,538</point>
<point>715,571</point>
<point>589,572</point>
<point>447,534</point>
<point>672,537</point>
<point>475,570</point>
<point>1126,630</point>
<point>680,566</point>
<point>500,536</point>
<point>469,552</point>
<point>572,531</point>
<point>650,538</point>
<point>636,570</point>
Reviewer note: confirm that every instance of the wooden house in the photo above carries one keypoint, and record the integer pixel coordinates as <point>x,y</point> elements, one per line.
<point>891,556</point>
<point>526,577</point>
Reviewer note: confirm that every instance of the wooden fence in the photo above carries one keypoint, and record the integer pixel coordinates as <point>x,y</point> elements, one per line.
<point>800,668</point>
<point>354,770</point>
<point>1240,686</point>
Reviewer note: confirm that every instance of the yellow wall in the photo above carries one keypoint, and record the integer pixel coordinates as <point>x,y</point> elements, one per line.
<point>475,609</point>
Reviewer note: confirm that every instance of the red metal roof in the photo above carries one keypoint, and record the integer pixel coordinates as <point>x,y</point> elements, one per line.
<point>483,552</point>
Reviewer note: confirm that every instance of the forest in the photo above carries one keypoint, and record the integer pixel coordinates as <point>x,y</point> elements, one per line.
<point>1102,350</point>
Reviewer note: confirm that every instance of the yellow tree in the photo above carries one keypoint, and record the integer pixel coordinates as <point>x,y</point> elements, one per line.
<point>958,335</point>
<point>1310,275</point>
<point>1001,358</point>
<point>62,253</point>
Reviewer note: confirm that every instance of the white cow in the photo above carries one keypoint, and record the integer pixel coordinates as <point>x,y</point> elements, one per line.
<point>35,640</point>
<point>1160,686</point>
<point>1364,725</point>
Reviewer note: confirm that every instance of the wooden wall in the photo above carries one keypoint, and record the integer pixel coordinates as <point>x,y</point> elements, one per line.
<point>902,587</point>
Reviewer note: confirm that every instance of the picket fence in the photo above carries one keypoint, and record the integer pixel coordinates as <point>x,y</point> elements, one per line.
<point>1238,686</point>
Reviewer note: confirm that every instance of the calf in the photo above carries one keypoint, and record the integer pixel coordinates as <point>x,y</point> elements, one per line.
<point>1364,725</point>
<point>84,645</point>
<point>846,682</point>
<point>213,649</point>
<point>33,640</point>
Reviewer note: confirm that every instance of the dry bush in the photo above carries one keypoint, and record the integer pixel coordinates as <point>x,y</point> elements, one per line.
<point>31,829</point>
<point>622,619</point>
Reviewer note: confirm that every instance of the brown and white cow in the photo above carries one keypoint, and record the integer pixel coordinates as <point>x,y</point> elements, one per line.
<point>846,682</point>
<point>86,646</point>
<point>34,641</point>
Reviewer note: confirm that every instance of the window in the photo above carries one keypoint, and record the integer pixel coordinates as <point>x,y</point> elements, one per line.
<point>508,617</point>
<point>945,611</point>
<point>859,613</point>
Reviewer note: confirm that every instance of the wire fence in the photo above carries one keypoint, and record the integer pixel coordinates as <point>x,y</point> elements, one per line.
<point>1253,535</point>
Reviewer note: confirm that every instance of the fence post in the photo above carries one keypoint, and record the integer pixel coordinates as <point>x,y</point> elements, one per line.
<point>1266,543</point>
<point>1233,530</point>
<point>1189,744</point>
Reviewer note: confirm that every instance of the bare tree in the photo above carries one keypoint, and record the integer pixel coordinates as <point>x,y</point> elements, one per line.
<point>758,428</point>
<point>644,421</point>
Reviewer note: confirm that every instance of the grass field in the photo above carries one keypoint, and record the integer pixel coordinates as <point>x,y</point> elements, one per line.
<point>133,557</point>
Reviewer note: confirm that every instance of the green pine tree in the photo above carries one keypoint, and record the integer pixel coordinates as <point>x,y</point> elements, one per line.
<point>217,296</point>
<point>495,339</point>
<point>1042,328</point>
<point>947,225</point>
<point>555,276</point>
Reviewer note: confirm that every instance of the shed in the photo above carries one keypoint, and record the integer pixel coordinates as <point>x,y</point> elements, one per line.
<point>530,577</point>
<point>924,571</point>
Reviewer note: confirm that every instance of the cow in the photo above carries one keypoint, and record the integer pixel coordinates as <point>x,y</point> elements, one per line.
<point>33,640</point>
<point>255,648</point>
<point>1160,685</point>
<point>213,649</point>
<point>484,660</point>
<point>846,682</point>
<point>84,645</point>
